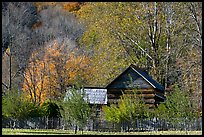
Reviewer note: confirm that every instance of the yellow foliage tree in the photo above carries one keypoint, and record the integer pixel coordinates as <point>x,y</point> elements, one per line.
<point>71,6</point>
<point>50,73</point>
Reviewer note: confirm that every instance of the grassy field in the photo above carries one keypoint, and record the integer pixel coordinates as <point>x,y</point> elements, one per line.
<point>7,131</point>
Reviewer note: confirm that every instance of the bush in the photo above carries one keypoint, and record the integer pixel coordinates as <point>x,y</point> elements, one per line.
<point>128,109</point>
<point>75,108</point>
<point>17,107</point>
<point>50,109</point>
<point>177,106</point>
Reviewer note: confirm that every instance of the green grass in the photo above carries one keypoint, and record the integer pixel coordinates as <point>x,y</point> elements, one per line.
<point>8,131</point>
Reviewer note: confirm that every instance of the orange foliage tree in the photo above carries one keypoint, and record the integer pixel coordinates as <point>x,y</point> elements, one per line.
<point>51,71</point>
<point>68,6</point>
<point>71,6</point>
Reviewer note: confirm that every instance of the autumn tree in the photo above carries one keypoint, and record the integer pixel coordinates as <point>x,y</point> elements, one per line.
<point>108,57</point>
<point>63,27</point>
<point>50,73</point>
<point>43,5</point>
<point>68,6</point>
<point>71,6</point>
<point>26,30</point>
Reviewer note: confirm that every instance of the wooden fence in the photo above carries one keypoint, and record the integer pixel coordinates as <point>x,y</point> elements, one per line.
<point>97,125</point>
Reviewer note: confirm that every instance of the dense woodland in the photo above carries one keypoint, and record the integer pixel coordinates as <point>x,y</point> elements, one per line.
<point>47,46</point>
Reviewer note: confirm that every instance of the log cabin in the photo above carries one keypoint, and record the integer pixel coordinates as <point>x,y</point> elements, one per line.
<point>131,79</point>
<point>134,78</point>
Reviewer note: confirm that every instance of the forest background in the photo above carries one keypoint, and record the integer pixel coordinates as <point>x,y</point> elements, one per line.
<point>47,46</point>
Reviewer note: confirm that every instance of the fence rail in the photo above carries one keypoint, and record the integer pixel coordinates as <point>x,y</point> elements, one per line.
<point>99,125</point>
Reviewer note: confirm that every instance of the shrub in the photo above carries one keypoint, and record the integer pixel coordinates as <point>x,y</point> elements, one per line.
<point>50,109</point>
<point>17,107</point>
<point>177,106</point>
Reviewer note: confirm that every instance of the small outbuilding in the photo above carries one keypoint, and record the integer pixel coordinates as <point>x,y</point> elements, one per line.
<point>95,96</point>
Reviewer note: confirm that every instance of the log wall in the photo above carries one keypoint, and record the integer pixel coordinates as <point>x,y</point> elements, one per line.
<point>148,95</point>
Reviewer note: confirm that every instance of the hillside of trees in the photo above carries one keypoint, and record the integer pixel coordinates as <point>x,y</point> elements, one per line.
<point>47,46</point>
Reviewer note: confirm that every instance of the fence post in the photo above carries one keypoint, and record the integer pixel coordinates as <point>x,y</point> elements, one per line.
<point>53,122</point>
<point>47,122</point>
<point>58,123</point>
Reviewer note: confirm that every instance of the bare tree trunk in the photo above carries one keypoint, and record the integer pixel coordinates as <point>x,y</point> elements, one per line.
<point>10,71</point>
